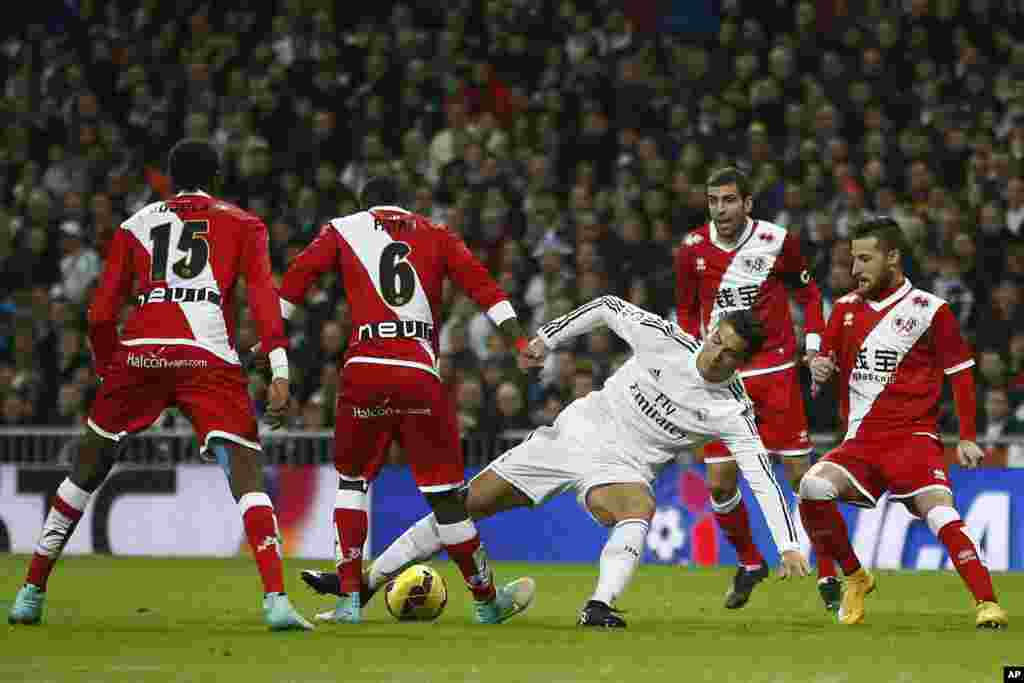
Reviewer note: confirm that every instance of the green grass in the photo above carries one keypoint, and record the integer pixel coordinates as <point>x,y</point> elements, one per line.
<point>130,619</point>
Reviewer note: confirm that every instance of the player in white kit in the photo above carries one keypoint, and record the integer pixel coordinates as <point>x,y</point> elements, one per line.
<point>672,395</point>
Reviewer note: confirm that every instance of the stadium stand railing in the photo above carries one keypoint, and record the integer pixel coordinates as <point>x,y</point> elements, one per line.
<point>48,446</point>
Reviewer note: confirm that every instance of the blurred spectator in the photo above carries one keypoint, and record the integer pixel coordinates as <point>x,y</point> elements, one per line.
<point>313,416</point>
<point>549,406</point>
<point>469,401</point>
<point>999,422</point>
<point>1001,317</point>
<point>71,407</point>
<point>1015,206</point>
<point>79,265</point>
<point>509,409</point>
<point>564,143</point>
<point>583,380</point>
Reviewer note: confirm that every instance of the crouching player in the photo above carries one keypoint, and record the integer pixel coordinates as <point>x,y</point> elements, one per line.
<point>672,395</point>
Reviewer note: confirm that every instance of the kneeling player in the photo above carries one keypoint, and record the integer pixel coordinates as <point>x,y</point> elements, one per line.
<point>672,395</point>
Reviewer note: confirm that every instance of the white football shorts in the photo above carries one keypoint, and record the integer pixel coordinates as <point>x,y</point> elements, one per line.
<point>579,452</point>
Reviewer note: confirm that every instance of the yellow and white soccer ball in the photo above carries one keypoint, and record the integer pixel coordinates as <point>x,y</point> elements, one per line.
<point>417,594</point>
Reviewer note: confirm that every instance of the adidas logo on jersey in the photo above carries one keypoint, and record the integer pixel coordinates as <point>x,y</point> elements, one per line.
<point>656,374</point>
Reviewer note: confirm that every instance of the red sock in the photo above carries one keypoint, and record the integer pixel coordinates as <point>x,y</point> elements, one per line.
<point>67,509</point>
<point>827,530</point>
<point>462,542</point>
<point>261,530</point>
<point>826,566</point>
<point>735,524</point>
<point>966,558</point>
<point>352,526</point>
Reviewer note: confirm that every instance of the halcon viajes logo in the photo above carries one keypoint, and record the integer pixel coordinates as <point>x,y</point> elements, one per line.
<point>151,362</point>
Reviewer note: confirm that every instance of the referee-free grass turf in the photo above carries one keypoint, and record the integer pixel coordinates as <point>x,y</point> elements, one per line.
<point>140,619</point>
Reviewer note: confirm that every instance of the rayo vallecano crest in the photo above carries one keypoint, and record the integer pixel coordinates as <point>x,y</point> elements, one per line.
<point>905,325</point>
<point>756,264</point>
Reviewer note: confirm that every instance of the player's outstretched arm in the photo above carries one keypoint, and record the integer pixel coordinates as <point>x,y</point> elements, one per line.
<point>741,438</point>
<point>641,329</point>
<point>319,257</point>
<point>106,304</point>
<point>471,276</point>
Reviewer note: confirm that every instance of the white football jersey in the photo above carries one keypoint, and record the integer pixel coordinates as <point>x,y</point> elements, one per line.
<point>665,407</point>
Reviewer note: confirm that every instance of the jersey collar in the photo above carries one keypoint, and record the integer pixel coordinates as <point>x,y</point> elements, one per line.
<point>744,236</point>
<point>892,298</point>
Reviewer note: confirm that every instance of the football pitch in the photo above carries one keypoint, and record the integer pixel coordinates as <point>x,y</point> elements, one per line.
<point>132,619</point>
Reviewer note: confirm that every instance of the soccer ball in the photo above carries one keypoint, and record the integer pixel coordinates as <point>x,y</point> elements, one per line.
<point>417,594</point>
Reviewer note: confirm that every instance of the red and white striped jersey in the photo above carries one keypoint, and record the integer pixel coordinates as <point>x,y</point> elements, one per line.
<point>892,356</point>
<point>393,264</point>
<point>757,272</point>
<point>184,257</point>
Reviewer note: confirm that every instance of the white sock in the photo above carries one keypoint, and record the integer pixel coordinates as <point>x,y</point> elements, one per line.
<point>419,543</point>
<point>459,532</point>
<point>62,518</point>
<point>620,558</point>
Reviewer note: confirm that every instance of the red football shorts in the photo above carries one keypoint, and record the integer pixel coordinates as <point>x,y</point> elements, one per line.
<point>781,419</point>
<point>143,381</point>
<point>904,466</point>
<point>378,403</point>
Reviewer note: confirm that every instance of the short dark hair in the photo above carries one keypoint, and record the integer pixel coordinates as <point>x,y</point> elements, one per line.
<point>748,326</point>
<point>193,164</point>
<point>378,191</point>
<point>886,230</point>
<point>728,176</point>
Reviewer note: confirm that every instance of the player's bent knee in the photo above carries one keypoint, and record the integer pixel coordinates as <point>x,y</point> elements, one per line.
<point>479,505</point>
<point>722,474</point>
<point>449,506</point>
<point>796,467</point>
<point>641,509</point>
<point>93,460</point>
<point>813,487</point>
<point>612,504</point>
<point>723,493</point>
<point>489,494</point>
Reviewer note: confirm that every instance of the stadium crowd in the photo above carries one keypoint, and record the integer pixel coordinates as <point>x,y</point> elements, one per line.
<point>567,142</point>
